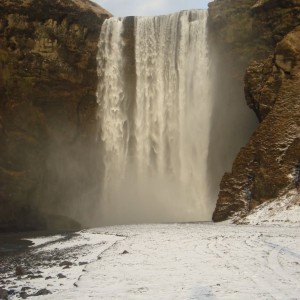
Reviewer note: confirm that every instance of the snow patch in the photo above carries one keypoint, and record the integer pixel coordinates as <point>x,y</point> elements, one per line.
<point>43,240</point>
<point>284,210</point>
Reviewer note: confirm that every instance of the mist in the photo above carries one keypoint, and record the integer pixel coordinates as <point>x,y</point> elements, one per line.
<point>232,121</point>
<point>71,184</point>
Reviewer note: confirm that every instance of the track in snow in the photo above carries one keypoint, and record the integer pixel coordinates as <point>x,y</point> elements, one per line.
<point>194,261</point>
<point>181,261</point>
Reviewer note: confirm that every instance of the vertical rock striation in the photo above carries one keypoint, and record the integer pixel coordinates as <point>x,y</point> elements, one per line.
<point>48,78</point>
<point>269,164</point>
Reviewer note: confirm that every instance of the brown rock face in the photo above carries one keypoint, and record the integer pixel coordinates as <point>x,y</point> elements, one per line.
<point>231,48</point>
<point>48,80</point>
<point>269,165</point>
<point>249,30</point>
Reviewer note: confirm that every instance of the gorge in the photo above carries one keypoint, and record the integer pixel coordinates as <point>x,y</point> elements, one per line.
<point>141,124</point>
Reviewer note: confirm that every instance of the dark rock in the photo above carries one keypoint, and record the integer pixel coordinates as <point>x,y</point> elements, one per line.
<point>60,276</point>
<point>20,271</point>
<point>11,292</point>
<point>24,295</point>
<point>125,252</point>
<point>34,276</point>
<point>48,277</point>
<point>65,264</point>
<point>42,292</point>
<point>81,263</point>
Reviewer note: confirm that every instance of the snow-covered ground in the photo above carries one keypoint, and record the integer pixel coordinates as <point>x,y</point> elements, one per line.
<point>173,261</point>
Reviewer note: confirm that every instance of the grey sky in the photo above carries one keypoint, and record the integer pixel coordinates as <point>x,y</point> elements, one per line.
<point>123,8</point>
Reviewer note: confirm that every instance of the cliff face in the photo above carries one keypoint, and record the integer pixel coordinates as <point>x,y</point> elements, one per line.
<point>48,81</point>
<point>269,43</point>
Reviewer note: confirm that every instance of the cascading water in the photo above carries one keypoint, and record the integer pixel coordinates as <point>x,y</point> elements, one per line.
<point>155,139</point>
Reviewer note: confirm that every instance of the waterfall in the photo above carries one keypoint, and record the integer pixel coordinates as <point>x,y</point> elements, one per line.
<point>154,118</point>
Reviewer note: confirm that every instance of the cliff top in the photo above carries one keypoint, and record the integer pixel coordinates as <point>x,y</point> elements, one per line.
<point>84,5</point>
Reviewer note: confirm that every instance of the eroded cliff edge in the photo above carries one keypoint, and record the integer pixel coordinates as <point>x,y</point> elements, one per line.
<point>262,37</point>
<point>48,82</point>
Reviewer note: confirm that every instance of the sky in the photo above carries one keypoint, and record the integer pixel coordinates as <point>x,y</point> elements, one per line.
<point>121,8</point>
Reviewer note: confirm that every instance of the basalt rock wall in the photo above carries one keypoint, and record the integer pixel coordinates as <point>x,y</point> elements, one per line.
<point>260,40</point>
<point>48,81</point>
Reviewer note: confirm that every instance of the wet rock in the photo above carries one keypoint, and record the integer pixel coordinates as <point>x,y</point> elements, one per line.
<point>19,271</point>
<point>24,295</point>
<point>34,276</point>
<point>60,276</point>
<point>42,292</point>
<point>65,264</point>
<point>11,292</point>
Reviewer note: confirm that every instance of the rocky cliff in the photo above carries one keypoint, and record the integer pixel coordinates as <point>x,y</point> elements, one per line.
<point>48,81</point>
<point>263,37</point>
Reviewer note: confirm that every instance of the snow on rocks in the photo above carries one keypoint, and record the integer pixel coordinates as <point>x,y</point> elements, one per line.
<point>54,264</point>
<point>284,210</point>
